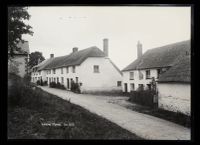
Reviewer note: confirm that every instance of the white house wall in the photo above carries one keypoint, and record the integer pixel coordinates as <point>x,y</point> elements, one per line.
<point>137,81</point>
<point>174,97</point>
<point>105,80</point>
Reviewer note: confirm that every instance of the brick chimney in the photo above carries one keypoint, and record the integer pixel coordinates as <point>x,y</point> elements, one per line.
<point>105,46</point>
<point>75,49</point>
<point>139,49</point>
<point>51,55</point>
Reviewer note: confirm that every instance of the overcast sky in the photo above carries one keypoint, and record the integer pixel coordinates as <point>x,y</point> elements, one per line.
<point>58,29</point>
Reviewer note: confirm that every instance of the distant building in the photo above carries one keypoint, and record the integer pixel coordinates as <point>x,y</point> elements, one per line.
<point>91,68</point>
<point>170,67</point>
<point>20,59</point>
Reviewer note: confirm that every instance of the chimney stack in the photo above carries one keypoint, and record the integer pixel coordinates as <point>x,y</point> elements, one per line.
<point>75,49</point>
<point>139,49</point>
<point>105,46</point>
<point>51,55</point>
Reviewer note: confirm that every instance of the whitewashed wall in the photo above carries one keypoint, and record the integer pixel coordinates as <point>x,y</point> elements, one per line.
<point>136,81</point>
<point>174,97</point>
<point>105,80</point>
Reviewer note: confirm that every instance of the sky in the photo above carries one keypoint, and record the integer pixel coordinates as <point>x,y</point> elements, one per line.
<point>58,29</point>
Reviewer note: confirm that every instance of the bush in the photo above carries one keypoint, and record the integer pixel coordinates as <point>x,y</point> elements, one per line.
<point>143,97</point>
<point>27,78</point>
<point>57,85</point>
<point>75,87</point>
<point>45,83</point>
<point>52,85</point>
<point>38,82</point>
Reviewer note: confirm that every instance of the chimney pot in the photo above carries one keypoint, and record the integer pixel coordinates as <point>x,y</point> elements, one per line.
<point>51,55</point>
<point>105,46</point>
<point>139,49</point>
<point>75,49</point>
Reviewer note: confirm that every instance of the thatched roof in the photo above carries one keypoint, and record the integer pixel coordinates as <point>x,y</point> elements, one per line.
<point>75,58</point>
<point>44,63</point>
<point>179,72</point>
<point>160,57</point>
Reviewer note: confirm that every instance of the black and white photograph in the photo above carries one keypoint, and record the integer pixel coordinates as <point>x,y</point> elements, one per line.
<point>99,72</point>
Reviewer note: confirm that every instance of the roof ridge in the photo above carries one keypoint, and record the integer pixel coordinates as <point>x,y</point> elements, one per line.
<point>171,44</point>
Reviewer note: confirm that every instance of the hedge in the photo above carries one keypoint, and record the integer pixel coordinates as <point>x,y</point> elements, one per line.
<point>143,97</point>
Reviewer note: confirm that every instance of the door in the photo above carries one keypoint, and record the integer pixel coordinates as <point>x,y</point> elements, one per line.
<point>125,87</point>
<point>67,83</point>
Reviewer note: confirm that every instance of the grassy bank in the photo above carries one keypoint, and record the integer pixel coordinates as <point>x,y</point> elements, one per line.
<point>35,114</point>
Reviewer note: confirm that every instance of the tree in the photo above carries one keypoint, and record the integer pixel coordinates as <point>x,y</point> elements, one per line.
<point>35,58</point>
<point>17,27</point>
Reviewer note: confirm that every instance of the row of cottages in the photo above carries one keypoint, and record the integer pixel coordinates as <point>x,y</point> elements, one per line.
<point>18,64</point>
<point>169,66</point>
<point>91,68</point>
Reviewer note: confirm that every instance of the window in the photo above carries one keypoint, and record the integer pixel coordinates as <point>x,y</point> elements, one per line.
<point>140,75</point>
<point>131,75</point>
<point>61,70</point>
<point>132,87</point>
<point>141,87</point>
<point>67,69</point>
<point>119,83</point>
<point>76,79</point>
<point>49,80</point>
<point>54,71</point>
<point>57,79</point>
<point>49,71</point>
<point>73,69</point>
<point>54,79</point>
<point>96,69</point>
<point>39,72</point>
<point>148,74</point>
<point>158,73</point>
<point>62,80</point>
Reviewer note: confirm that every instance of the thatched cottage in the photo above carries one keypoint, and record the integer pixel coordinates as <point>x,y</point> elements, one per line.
<point>91,68</point>
<point>169,66</point>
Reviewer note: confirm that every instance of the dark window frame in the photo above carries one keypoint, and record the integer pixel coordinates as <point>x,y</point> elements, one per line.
<point>96,69</point>
<point>73,69</point>
<point>119,83</point>
<point>131,78</point>
<point>148,75</point>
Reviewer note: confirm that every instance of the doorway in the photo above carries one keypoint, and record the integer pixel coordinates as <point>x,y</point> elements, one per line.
<point>67,83</point>
<point>125,87</point>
